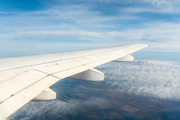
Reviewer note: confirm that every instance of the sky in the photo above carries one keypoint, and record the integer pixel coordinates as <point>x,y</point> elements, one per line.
<point>47,26</point>
<point>30,27</point>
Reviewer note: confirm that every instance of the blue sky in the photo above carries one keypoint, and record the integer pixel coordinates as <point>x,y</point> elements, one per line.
<point>44,26</point>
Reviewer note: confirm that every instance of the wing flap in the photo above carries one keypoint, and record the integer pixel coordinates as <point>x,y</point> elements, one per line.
<point>10,87</point>
<point>10,105</point>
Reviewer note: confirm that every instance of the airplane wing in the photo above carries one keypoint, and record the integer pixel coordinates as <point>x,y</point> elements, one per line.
<point>23,79</point>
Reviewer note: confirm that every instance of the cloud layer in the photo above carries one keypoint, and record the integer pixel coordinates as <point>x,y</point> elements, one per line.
<point>45,110</point>
<point>145,78</point>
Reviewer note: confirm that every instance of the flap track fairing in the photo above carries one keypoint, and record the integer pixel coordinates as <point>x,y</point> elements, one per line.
<point>126,58</point>
<point>89,75</point>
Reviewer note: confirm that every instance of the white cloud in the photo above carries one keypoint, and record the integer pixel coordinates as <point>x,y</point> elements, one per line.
<point>41,109</point>
<point>154,6</point>
<point>157,32</point>
<point>156,79</point>
<point>145,9</point>
<point>69,17</point>
<point>165,6</point>
<point>158,35</point>
<point>55,109</point>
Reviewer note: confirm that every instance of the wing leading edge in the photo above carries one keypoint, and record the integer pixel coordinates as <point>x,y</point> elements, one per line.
<point>24,78</point>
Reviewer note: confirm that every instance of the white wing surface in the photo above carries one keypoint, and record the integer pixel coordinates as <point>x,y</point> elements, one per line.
<point>25,78</point>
